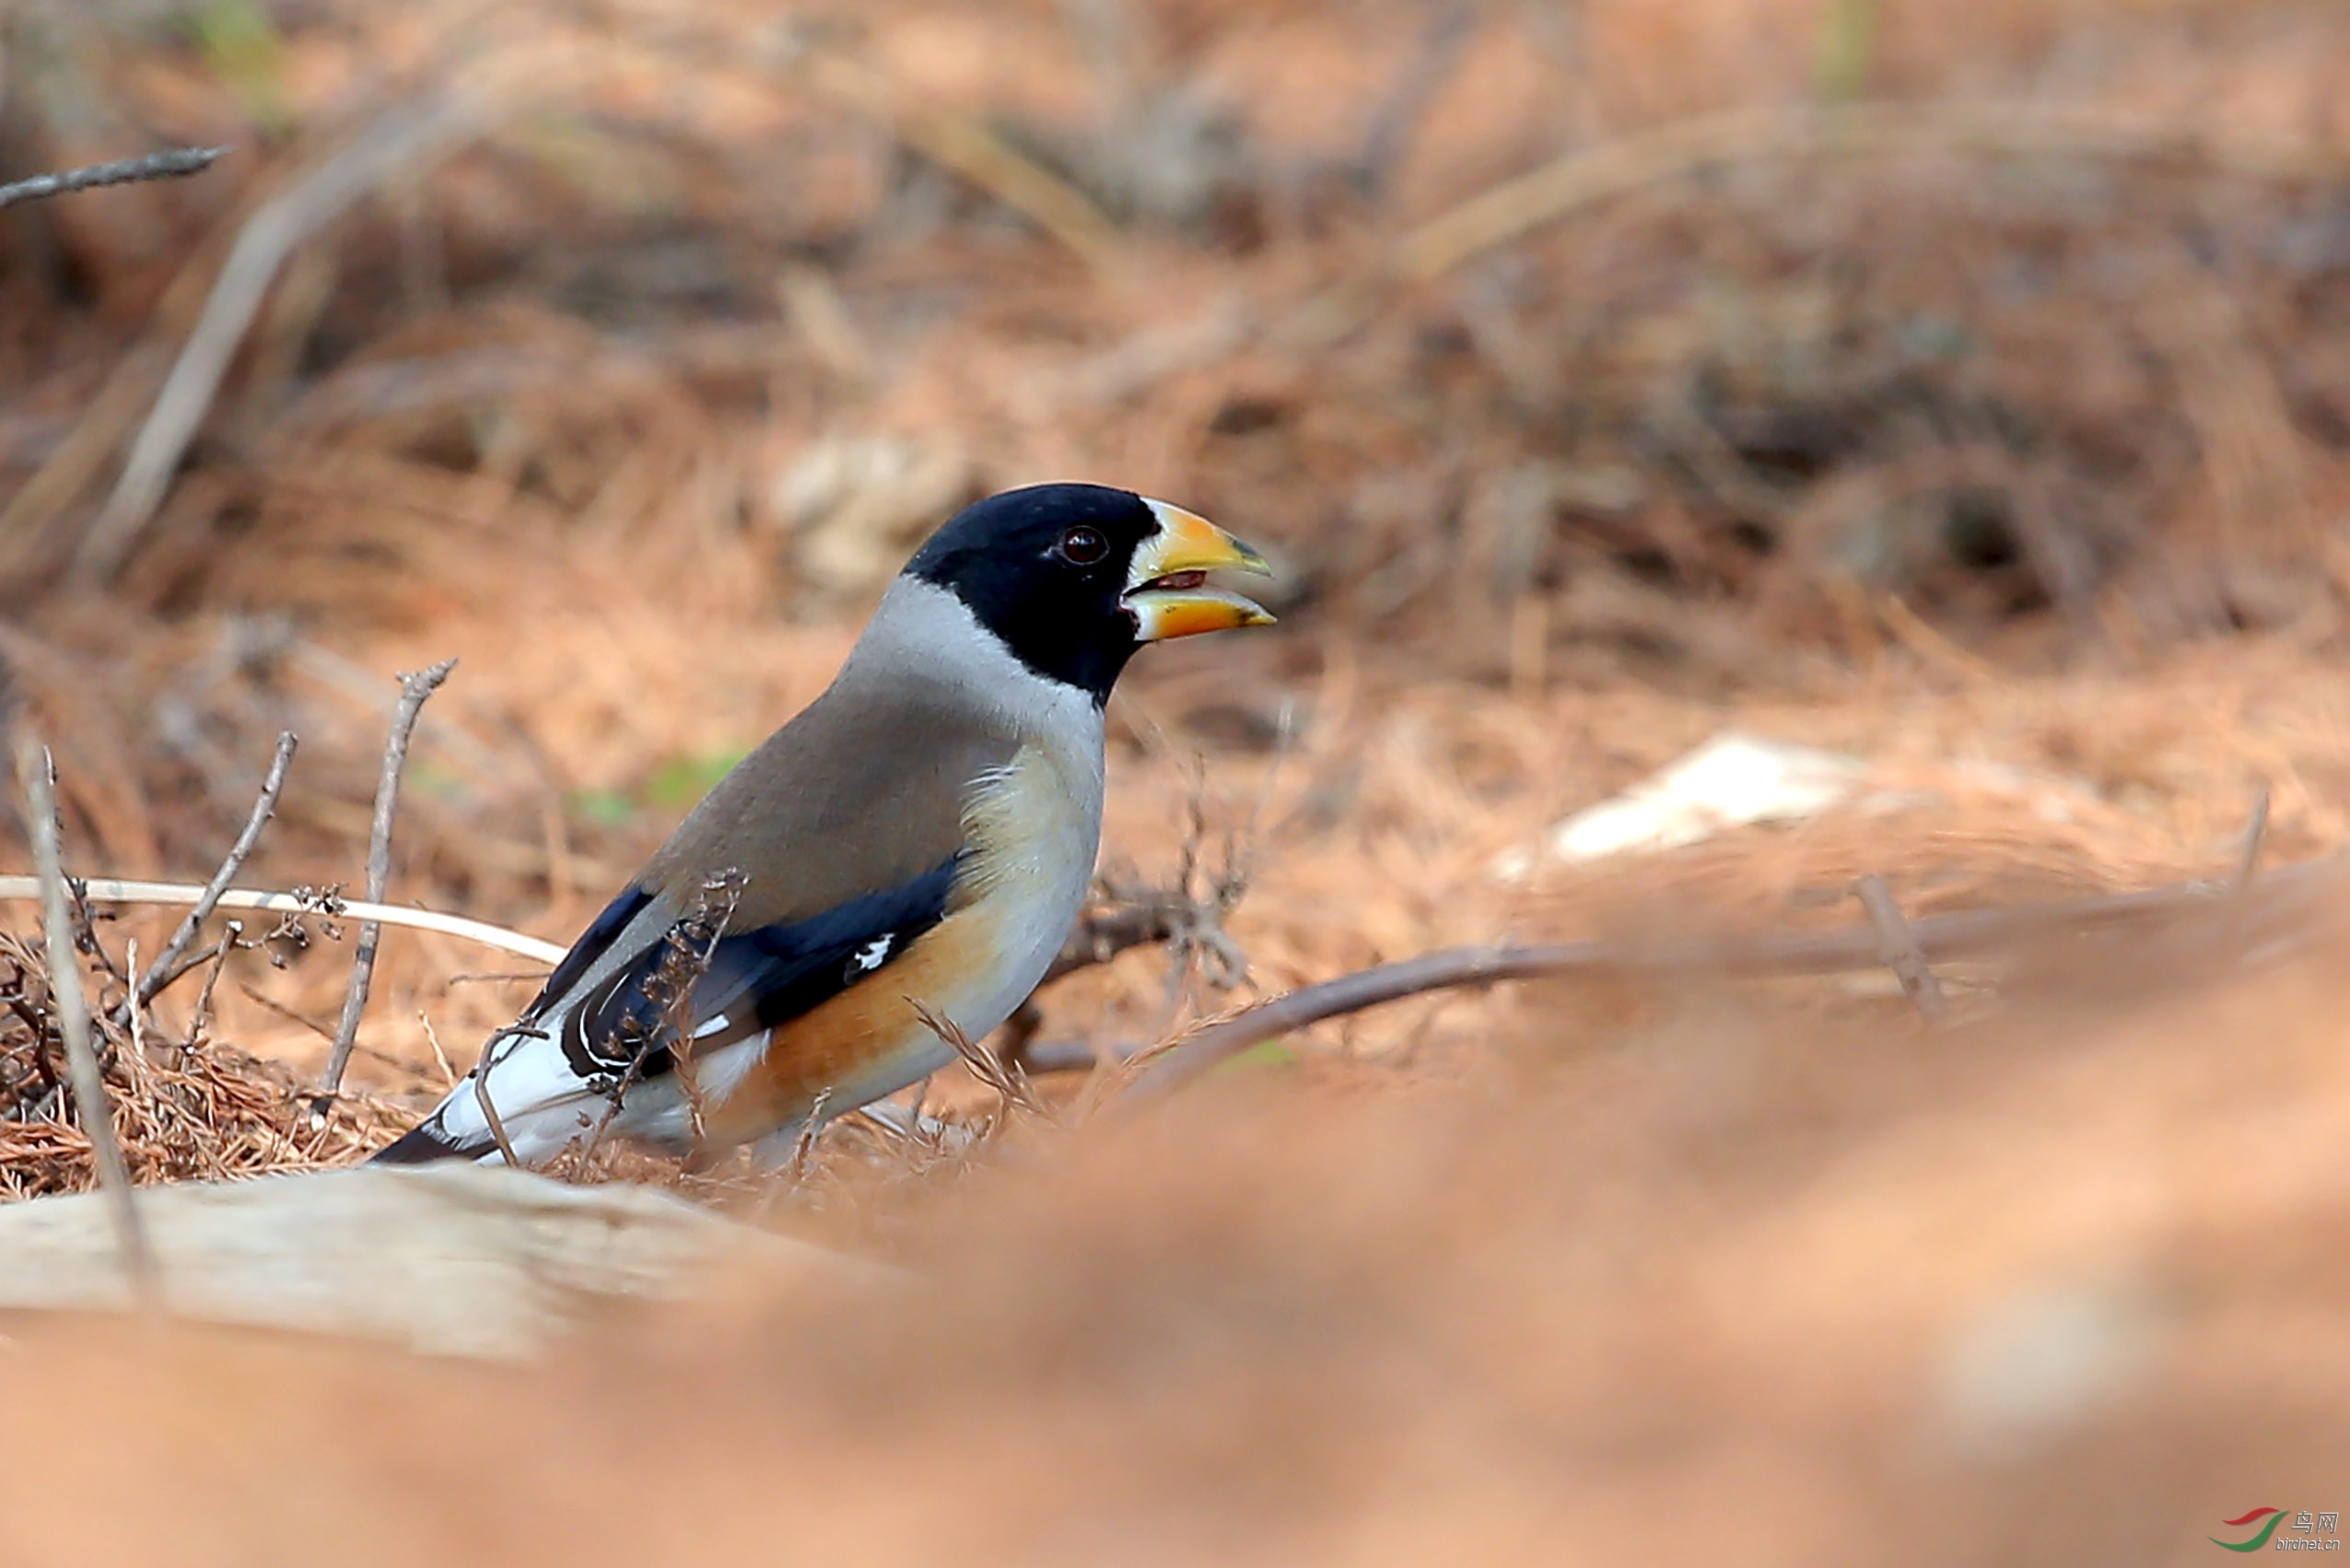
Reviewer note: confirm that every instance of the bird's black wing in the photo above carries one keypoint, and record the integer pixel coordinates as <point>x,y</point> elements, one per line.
<point>754,979</point>
<point>593,944</point>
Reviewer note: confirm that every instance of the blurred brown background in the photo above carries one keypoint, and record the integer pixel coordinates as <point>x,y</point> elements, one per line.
<point>1959,389</point>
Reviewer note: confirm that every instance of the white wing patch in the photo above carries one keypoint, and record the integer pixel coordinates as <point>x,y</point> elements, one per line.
<point>872,955</point>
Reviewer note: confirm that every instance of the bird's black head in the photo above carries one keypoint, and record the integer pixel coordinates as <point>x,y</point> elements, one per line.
<point>1075,578</point>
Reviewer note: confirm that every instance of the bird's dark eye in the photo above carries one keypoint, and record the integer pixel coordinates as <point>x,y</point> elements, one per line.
<point>1081,546</point>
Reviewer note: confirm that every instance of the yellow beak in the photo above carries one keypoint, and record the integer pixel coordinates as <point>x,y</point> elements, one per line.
<point>1166,591</point>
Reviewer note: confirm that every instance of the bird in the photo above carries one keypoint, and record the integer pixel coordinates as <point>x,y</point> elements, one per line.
<point>902,859</point>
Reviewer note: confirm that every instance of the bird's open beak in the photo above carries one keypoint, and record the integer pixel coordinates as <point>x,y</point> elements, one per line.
<point>1166,591</point>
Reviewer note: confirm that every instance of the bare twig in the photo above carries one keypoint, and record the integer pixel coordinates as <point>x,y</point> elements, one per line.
<point>189,963</point>
<point>173,163</point>
<point>72,1010</point>
<point>1896,945</point>
<point>217,957</point>
<point>489,1115</point>
<point>161,972</point>
<point>1131,920</point>
<point>414,689</point>
<point>1039,1056</point>
<point>2290,893</point>
<point>403,137</point>
<point>115,890</point>
<point>86,934</point>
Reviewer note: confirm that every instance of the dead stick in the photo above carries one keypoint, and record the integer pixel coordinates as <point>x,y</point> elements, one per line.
<point>489,1115</point>
<point>414,690</point>
<point>86,932</point>
<point>1897,945</point>
<point>1131,920</point>
<point>1040,1056</point>
<point>197,960</point>
<point>113,890</point>
<point>173,163</point>
<point>72,1010</point>
<point>1100,935</point>
<point>1822,953</point>
<point>161,972</point>
<point>218,956</point>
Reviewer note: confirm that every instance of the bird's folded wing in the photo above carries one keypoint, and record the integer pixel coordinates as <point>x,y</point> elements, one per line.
<point>754,979</point>
<point>593,944</point>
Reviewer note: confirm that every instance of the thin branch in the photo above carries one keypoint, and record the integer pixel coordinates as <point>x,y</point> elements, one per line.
<point>85,934</point>
<point>1896,945</point>
<point>489,1115</point>
<point>161,972</point>
<point>1100,935</point>
<point>72,1010</point>
<point>116,890</point>
<point>173,163</point>
<point>218,956</point>
<point>1037,1057</point>
<point>1129,920</point>
<point>1943,937</point>
<point>189,963</point>
<point>414,689</point>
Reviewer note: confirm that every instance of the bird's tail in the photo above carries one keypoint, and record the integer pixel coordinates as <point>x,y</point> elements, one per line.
<point>538,1098</point>
<point>429,1141</point>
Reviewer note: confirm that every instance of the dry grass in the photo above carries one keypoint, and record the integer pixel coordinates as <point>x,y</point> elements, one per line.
<point>191,1109</point>
<point>2021,478</point>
